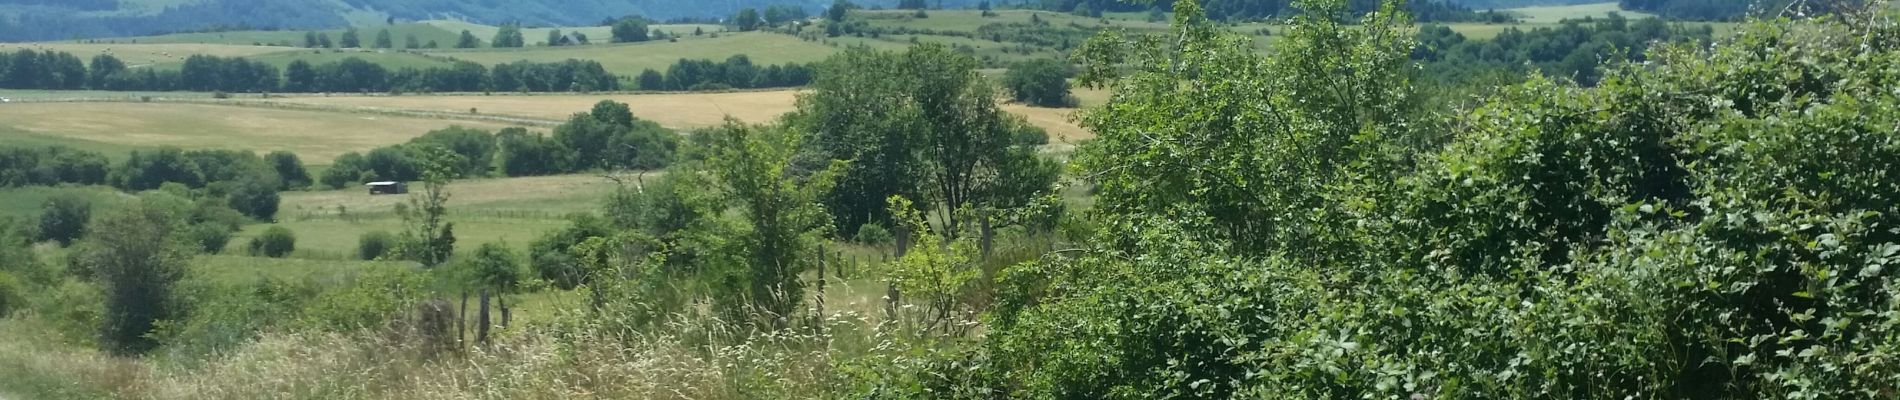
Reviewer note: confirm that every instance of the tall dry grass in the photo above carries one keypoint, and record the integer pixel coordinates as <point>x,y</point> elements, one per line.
<point>690,359</point>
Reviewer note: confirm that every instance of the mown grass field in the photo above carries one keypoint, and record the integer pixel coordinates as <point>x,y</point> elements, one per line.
<point>329,223</point>
<point>424,32</point>
<point>147,54</point>
<point>677,111</point>
<point>1554,14</point>
<point>631,58</point>
<point>317,136</point>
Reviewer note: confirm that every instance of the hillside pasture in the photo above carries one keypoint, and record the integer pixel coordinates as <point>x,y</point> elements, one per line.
<point>1554,14</point>
<point>672,110</point>
<point>424,33</point>
<point>534,36</point>
<point>147,54</point>
<point>317,136</point>
<point>630,58</point>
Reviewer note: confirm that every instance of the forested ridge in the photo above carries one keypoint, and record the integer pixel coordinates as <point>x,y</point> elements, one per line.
<point>1711,219</point>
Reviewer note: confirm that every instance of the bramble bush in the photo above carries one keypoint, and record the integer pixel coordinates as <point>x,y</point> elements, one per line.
<point>1717,223</point>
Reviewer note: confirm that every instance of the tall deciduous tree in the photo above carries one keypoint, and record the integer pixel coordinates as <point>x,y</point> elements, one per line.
<point>752,168</point>
<point>138,260</point>
<point>350,39</point>
<point>630,29</point>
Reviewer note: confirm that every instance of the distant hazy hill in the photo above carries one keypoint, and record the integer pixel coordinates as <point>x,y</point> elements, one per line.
<point>32,20</point>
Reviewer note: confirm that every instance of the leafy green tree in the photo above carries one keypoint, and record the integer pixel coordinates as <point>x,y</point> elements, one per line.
<point>310,40</point>
<point>839,9</point>
<point>467,41</point>
<point>918,124</point>
<point>495,271</point>
<point>323,40</point>
<point>103,67</point>
<point>430,237</point>
<point>783,223</point>
<point>747,20</point>
<point>211,237</point>
<point>409,41</point>
<point>275,242</point>
<point>509,36</point>
<point>555,38</point>
<point>138,259</point>
<point>474,148</point>
<point>289,169</point>
<point>521,153</point>
<point>255,195</point>
<point>350,39</point>
<point>348,170</point>
<point>383,39</point>
<point>651,80</point>
<point>1040,82</point>
<point>63,218</point>
<point>300,77</point>
<point>630,30</point>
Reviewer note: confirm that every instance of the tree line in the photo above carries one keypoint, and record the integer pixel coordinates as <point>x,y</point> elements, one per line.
<point>27,69</point>
<point>248,183</point>
<point>1576,49</point>
<point>1226,10</point>
<point>737,72</point>
<point>606,138</point>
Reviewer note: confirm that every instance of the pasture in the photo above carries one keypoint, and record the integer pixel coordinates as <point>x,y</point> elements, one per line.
<point>317,136</point>
<point>672,110</point>
<point>423,32</point>
<point>515,211</point>
<point>628,59</point>
<point>595,34</point>
<point>1554,14</point>
<point>147,54</point>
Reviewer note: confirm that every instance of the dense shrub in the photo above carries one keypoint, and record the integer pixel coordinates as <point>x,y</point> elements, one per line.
<point>210,237</point>
<point>1665,234</point>
<point>1042,82</point>
<point>275,242</point>
<point>63,218</point>
<point>375,245</point>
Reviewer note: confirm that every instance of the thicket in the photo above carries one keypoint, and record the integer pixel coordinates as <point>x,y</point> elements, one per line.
<point>606,138</point>
<point>27,69</point>
<point>1575,49</point>
<point>1697,226</point>
<point>737,72</point>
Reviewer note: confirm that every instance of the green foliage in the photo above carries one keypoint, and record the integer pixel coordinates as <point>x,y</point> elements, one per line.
<point>467,41</point>
<point>520,153</point>
<point>429,238</point>
<point>552,256</point>
<point>209,237</point>
<point>610,138</point>
<point>747,19</point>
<point>275,242</point>
<point>1681,231</point>
<point>289,168</point>
<point>508,36</point>
<point>138,259</point>
<point>350,39</point>
<point>375,245</point>
<point>752,171</point>
<point>384,40</point>
<point>63,218</point>
<point>935,276</point>
<point>873,234</point>
<point>918,124</point>
<point>255,195</point>
<point>630,30</point>
<point>1040,82</point>
<point>348,170</point>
